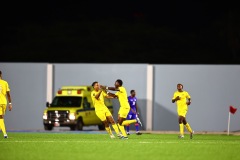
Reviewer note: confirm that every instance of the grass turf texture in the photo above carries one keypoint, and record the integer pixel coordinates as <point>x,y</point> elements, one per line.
<point>77,145</point>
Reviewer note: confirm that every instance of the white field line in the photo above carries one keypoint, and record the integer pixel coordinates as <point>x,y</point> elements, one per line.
<point>140,142</point>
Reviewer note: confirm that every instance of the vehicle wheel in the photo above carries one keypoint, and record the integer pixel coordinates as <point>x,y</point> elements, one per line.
<point>101,127</point>
<point>48,127</point>
<point>79,125</point>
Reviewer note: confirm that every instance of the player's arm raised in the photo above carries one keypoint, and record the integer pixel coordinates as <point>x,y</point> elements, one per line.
<point>109,88</point>
<point>112,95</point>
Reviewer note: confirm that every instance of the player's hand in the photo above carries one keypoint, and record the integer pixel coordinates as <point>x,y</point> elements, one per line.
<point>177,98</point>
<point>9,107</point>
<point>103,87</point>
<point>188,103</point>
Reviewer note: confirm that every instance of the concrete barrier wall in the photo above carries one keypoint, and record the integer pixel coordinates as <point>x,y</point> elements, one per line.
<point>212,87</point>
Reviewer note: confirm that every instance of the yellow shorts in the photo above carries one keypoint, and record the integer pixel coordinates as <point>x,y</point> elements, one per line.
<point>182,112</point>
<point>2,109</point>
<point>102,114</point>
<point>123,112</point>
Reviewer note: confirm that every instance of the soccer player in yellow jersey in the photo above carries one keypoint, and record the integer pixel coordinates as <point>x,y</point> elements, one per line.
<point>124,109</point>
<point>182,99</point>
<point>4,92</point>
<point>101,109</point>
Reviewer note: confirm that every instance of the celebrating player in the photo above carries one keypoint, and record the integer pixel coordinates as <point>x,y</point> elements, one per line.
<point>133,113</point>
<point>182,99</point>
<point>101,109</point>
<point>121,94</point>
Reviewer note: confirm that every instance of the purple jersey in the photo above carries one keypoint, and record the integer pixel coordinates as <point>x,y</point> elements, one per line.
<point>132,102</point>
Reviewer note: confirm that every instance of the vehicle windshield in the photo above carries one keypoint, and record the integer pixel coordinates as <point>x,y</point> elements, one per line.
<point>66,101</point>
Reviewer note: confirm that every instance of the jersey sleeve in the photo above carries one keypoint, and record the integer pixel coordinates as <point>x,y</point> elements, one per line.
<point>174,95</point>
<point>118,92</point>
<point>8,88</point>
<point>120,89</point>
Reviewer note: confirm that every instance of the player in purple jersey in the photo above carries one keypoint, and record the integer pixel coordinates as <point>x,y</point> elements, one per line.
<point>133,113</point>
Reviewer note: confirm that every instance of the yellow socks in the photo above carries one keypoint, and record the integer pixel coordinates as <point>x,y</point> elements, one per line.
<point>2,126</point>
<point>108,129</point>
<point>126,122</point>
<point>181,128</point>
<point>122,129</point>
<point>115,127</point>
<point>188,128</point>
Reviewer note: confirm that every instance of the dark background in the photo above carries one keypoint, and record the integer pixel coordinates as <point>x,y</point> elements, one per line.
<point>93,31</point>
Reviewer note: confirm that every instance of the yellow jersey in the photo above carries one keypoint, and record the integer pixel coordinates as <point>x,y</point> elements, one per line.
<point>4,87</point>
<point>122,96</point>
<point>98,103</point>
<point>182,103</point>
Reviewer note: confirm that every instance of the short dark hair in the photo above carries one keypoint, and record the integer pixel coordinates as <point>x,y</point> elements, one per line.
<point>94,83</point>
<point>120,82</point>
<point>132,91</point>
<point>0,72</point>
<point>180,84</point>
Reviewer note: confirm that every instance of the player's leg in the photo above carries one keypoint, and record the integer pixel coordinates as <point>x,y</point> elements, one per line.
<point>181,127</point>
<point>101,115</point>
<point>113,123</point>
<point>129,116</point>
<point>2,124</point>
<point>125,122</point>
<point>121,127</point>
<point>119,121</point>
<point>123,112</point>
<point>120,134</point>
<point>181,116</point>
<point>188,127</point>
<point>134,116</point>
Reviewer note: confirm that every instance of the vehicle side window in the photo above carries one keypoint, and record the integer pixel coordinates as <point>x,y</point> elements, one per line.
<point>86,104</point>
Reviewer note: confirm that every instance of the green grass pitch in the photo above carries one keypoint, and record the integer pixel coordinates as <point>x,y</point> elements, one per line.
<point>91,146</point>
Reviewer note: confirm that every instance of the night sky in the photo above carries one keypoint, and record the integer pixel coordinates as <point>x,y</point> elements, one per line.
<point>181,32</point>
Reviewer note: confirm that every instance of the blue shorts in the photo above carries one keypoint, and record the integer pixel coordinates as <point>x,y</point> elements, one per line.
<point>131,116</point>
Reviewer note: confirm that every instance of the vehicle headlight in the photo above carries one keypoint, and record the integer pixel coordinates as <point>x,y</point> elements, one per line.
<point>44,115</point>
<point>72,116</point>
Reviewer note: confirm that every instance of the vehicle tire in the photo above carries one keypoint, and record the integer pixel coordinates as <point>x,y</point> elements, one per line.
<point>48,127</point>
<point>79,125</point>
<point>101,127</point>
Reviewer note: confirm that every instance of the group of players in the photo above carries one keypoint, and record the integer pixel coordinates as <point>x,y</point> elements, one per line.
<point>127,113</point>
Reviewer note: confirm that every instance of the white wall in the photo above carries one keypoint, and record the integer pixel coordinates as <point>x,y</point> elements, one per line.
<point>27,82</point>
<point>213,89</point>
